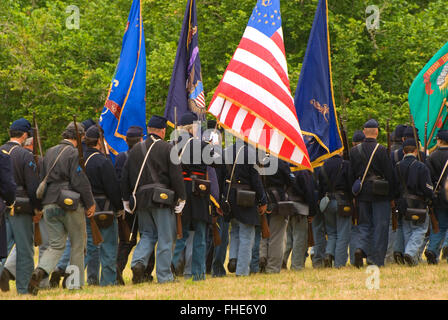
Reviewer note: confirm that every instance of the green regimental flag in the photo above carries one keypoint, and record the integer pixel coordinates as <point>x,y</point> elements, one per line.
<point>431,85</point>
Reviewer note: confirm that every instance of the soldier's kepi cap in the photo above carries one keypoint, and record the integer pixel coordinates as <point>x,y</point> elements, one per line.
<point>409,142</point>
<point>93,132</point>
<point>88,123</point>
<point>358,136</point>
<point>71,127</point>
<point>399,130</point>
<point>188,118</point>
<point>22,125</point>
<point>134,131</point>
<point>409,132</point>
<point>443,135</point>
<point>157,122</point>
<point>372,123</point>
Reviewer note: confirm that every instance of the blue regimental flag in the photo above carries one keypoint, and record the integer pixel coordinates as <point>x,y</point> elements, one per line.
<point>314,99</point>
<point>186,89</point>
<point>125,105</point>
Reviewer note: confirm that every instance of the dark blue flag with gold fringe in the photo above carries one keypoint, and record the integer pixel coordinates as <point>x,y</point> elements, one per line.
<point>126,102</point>
<point>314,99</point>
<point>186,91</point>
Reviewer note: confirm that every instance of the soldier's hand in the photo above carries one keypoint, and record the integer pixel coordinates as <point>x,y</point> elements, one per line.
<point>219,211</point>
<point>91,211</point>
<point>120,214</point>
<point>180,206</point>
<point>126,206</point>
<point>262,209</point>
<point>310,219</point>
<point>37,215</point>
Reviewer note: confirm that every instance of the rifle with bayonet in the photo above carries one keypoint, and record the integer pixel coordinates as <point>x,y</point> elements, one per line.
<point>215,230</point>
<point>392,203</point>
<point>434,222</point>
<point>344,141</point>
<point>96,234</point>
<point>265,232</point>
<point>415,137</point>
<point>179,230</point>
<point>123,227</point>
<point>355,216</point>
<point>37,234</point>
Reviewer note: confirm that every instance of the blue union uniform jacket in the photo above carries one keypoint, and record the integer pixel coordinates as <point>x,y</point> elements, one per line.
<point>381,166</point>
<point>339,177</point>
<point>25,172</point>
<point>7,196</point>
<point>435,162</point>
<point>103,180</point>
<point>245,175</point>
<point>416,176</point>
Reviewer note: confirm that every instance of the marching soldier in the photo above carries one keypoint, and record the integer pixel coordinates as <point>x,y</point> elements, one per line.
<point>436,163</point>
<point>92,262</point>
<point>7,197</point>
<point>335,184</point>
<point>220,252</point>
<point>19,221</point>
<point>106,191</point>
<point>195,215</point>
<point>358,138</point>
<point>156,221</point>
<point>415,192</point>
<point>396,240</point>
<point>134,135</point>
<point>371,163</point>
<point>397,137</point>
<point>395,246</point>
<point>245,207</point>
<point>398,154</point>
<point>272,249</point>
<point>302,192</point>
<point>12,260</point>
<point>64,211</point>
<point>317,252</point>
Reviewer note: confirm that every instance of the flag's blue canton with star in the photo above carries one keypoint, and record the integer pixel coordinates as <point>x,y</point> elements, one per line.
<point>314,98</point>
<point>266,17</point>
<point>125,105</point>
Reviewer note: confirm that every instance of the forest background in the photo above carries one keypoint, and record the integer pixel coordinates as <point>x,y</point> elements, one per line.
<point>57,71</point>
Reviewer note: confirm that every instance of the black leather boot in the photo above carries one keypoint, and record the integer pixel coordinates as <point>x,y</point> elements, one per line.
<point>36,277</point>
<point>138,272</point>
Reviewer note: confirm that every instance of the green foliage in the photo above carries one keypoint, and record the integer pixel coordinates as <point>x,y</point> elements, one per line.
<point>57,72</point>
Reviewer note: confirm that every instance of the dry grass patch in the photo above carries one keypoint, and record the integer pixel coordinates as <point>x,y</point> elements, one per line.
<point>396,282</point>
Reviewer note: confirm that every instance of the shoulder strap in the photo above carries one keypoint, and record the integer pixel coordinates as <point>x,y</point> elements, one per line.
<point>361,154</point>
<point>55,161</point>
<point>95,153</point>
<point>402,178</point>
<point>144,163</point>
<point>185,147</point>
<point>233,171</point>
<point>370,161</point>
<point>14,163</point>
<point>396,155</point>
<point>441,176</point>
<point>10,150</point>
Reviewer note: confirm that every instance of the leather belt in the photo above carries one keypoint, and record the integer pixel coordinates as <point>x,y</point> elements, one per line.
<point>187,176</point>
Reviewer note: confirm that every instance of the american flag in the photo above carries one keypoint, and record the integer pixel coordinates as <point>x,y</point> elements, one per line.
<point>253,100</point>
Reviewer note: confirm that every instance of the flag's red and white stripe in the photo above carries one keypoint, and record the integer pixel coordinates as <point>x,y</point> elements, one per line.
<point>200,100</point>
<point>254,100</point>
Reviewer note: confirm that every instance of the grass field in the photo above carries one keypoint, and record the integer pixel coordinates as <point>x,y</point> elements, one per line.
<point>396,282</point>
